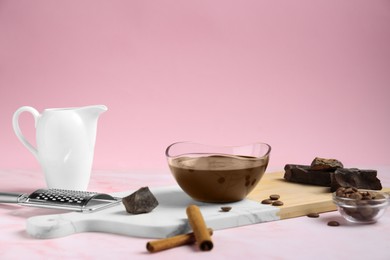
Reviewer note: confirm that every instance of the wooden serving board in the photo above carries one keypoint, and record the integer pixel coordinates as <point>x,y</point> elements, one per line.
<point>170,218</point>
<point>298,199</point>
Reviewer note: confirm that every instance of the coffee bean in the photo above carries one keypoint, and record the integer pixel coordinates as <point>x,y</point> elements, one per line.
<point>379,196</point>
<point>277,203</point>
<point>226,209</point>
<point>356,196</point>
<point>313,215</point>
<point>274,197</point>
<point>333,223</point>
<point>266,201</point>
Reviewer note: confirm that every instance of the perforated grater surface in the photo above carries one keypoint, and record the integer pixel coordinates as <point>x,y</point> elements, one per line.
<point>83,201</point>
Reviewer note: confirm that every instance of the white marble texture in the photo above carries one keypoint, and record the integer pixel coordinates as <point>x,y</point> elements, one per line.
<point>167,219</point>
<point>297,238</point>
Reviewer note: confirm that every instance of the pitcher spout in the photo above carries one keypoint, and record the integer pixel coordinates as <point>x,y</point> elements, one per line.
<point>97,110</point>
<point>90,115</point>
<point>92,112</point>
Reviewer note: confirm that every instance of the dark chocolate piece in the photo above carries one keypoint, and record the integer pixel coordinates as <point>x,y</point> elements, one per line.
<point>141,201</point>
<point>326,164</point>
<point>304,174</point>
<point>357,178</point>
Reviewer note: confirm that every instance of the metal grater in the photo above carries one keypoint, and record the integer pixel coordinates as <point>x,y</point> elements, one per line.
<point>83,201</point>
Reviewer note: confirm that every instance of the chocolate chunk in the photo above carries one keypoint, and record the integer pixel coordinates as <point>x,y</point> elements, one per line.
<point>141,201</point>
<point>304,174</point>
<point>274,196</point>
<point>357,178</point>
<point>326,164</point>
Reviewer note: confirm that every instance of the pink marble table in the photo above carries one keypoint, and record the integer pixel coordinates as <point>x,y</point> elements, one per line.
<point>298,238</point>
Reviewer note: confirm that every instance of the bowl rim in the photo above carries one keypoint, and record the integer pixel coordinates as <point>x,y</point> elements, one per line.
<point>219,146</point>
<point>382,201</point>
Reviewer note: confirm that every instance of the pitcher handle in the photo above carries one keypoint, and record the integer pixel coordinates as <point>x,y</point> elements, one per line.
<point>18,132</point>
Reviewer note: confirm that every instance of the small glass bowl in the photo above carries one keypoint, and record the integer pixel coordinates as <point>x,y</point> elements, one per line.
<point>362,211</point>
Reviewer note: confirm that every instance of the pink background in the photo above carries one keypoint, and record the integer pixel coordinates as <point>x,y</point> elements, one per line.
<point>311,78</point>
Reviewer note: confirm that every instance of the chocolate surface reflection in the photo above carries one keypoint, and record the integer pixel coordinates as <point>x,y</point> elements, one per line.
<point>218,178</point>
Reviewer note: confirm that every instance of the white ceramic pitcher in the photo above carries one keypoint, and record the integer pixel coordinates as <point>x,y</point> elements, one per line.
<point>65,141</point>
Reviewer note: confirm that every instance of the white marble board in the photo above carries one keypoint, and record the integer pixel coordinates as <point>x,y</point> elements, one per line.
<point>167,219</point>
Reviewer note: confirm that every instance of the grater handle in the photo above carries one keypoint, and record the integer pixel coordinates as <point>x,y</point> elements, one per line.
<point>6,197</point>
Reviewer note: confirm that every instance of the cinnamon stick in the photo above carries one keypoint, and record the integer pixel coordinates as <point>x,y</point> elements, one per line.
<point>171,242</point>
<point>201,233</point>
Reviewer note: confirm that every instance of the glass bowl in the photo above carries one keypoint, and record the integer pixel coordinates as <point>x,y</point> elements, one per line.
<point>217,174</point>
<point>358,210</point>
